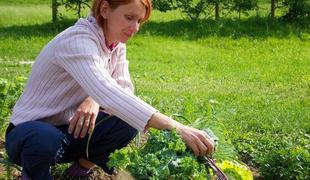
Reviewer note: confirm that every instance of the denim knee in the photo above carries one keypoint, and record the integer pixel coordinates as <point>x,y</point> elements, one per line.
<point>48,144</point>
<point>35,139</point>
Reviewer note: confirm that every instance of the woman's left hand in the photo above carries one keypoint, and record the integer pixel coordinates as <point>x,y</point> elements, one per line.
<point>197,140</point>
<point>84,118</point>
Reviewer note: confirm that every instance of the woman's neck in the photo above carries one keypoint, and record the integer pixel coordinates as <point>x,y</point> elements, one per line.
<point>108,41</point>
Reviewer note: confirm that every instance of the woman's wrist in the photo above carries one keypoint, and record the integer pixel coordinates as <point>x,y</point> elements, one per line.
<point>161,121</point>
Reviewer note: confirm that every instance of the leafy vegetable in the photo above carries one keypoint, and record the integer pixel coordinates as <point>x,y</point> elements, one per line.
<point>164,156</point>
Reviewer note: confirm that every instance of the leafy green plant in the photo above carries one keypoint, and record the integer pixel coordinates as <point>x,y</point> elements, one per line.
<point>278,156</point>
<point>235,170</point>
<point>287,159</point>
<point>165,156</point>
<point>9,93</point>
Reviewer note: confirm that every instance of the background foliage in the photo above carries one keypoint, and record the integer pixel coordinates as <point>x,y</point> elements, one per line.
<point>292,9</point>
<point>247,79</point>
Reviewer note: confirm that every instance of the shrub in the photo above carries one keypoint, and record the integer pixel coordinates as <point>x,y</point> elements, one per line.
<point>296,9</point>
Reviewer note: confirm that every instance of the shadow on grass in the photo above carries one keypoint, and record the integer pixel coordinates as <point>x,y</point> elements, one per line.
<point>45,29</point>
<point>257,28</point>
<point>253,27</point>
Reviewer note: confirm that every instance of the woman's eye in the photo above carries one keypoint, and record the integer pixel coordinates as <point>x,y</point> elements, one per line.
<point>129,17</point>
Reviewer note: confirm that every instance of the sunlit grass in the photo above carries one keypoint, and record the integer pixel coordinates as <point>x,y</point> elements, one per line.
<point>247,76</point>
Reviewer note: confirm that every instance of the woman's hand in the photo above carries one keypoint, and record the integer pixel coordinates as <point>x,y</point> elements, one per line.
<point>84,118</point>
<point>197,140</point>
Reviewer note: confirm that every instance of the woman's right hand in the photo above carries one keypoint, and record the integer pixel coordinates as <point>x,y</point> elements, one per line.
<point>84,119</point>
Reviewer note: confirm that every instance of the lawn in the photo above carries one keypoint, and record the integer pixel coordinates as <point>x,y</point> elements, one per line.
<point>248,80</point>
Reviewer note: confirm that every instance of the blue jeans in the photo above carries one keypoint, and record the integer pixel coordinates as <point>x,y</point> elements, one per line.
<point>36,145</point>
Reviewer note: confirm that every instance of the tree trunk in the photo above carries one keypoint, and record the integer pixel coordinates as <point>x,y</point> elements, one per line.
<point>272,8</point>
<point>54,11</point>
<point>79,10</point>
<point>217,10</point>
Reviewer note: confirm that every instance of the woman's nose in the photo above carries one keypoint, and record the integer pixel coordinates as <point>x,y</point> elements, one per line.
<point>135,26</point>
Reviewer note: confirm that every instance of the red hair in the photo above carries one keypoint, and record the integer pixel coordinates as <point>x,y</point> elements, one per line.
<point>96,7</point>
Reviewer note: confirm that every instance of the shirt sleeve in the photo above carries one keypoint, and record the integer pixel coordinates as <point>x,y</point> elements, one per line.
<point>121,71</point>
<point>78,54</point>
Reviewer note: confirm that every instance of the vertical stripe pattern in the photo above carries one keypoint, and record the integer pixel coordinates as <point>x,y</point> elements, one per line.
<point>74,65</point>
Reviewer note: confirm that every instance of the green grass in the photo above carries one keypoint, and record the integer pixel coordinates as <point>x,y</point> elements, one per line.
<point>24,2</point>
<point>249,79</point>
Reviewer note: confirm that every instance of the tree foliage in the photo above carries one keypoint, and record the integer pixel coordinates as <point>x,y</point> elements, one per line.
<point>242,6</point>
<point>76,5</point>
<point>192,8</point>
<point>164,5</point>
<point>296,9</point>
<point>195,9</point>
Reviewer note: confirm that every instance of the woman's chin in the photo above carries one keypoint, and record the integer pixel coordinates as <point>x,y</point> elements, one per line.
<point>124,40</point>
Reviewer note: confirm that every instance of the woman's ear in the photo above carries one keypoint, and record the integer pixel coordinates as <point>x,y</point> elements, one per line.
<point>105,9</point>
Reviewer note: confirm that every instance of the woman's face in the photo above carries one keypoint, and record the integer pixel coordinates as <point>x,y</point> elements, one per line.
<point>122,22</point>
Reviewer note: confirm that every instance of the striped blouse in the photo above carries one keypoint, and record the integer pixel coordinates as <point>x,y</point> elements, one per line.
<point>74,65</point>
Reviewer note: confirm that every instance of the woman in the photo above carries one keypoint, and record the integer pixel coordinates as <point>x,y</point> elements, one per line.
<point>80,70</point>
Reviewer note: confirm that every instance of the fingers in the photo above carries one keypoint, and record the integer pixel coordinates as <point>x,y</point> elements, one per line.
<point>73,123</point>
<point>193,146</point>
<point>82,123</point>
<point>200,143</point>
<point>92,123</point>
<point>84,119</point>
<point>203,149</point>
<point>85,125</point>
<point>208,143</point>
<point>79,126</point>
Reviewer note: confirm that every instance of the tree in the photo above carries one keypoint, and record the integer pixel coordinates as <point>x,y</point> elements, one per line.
<point>272,8</point>
<point>54,11</point>
<point>76,5</point>
<point>217,9</point>
<point>193,8</point>
<point>241,6</point>
<point>164,5</point>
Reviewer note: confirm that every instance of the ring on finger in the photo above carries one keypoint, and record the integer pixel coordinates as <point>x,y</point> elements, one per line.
<point>81,120</point>
<point>88,119</point>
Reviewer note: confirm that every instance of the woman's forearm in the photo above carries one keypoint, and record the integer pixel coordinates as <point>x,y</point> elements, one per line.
<point>161,121</point>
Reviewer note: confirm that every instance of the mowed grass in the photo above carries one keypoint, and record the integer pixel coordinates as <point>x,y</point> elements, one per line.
<point>237,77</point>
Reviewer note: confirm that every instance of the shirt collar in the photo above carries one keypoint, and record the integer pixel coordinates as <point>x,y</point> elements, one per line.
<point>110,48</point>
